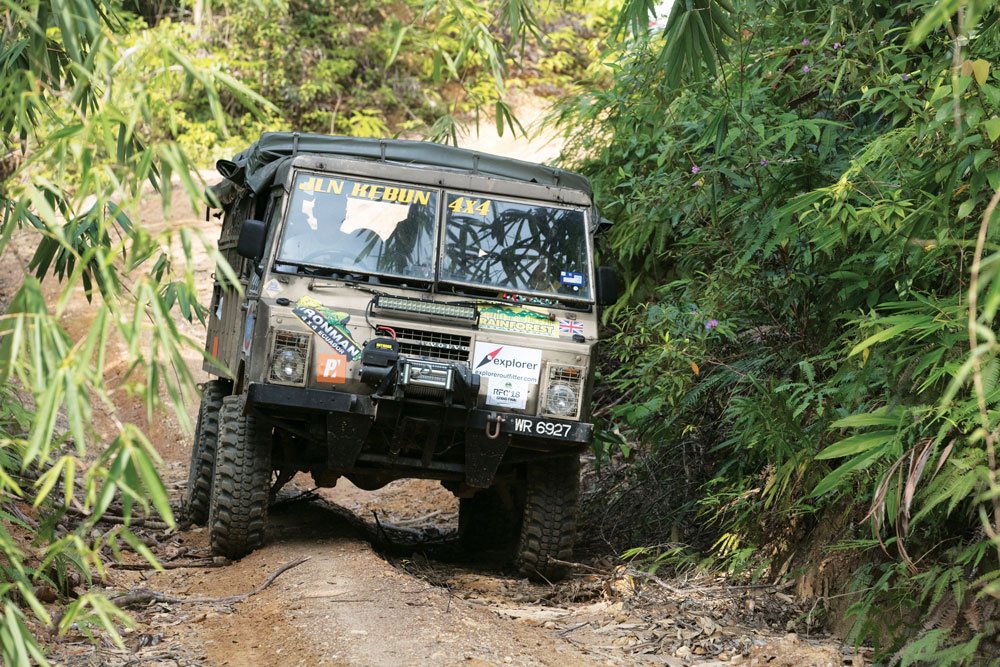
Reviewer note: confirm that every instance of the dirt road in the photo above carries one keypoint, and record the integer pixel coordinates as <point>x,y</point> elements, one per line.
<point>378,580</point>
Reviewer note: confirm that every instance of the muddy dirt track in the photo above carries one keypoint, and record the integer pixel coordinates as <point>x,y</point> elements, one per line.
<point>378,579</point>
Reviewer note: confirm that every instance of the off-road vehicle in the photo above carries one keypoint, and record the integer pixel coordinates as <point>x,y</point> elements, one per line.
<point>409,310</point>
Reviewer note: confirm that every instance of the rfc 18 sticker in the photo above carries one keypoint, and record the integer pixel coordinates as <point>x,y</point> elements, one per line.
<point>507,362</point>
<point>330,325</point>
<point>507,393</point>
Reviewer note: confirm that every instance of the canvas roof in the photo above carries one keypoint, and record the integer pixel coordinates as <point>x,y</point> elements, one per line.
<point>256,166</point>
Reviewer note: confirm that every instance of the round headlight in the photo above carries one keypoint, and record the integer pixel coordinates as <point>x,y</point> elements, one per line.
<point>561,400</point>
<point>289,365</point>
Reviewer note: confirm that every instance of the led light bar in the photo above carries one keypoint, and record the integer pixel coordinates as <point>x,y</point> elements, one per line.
<point>406,305</point>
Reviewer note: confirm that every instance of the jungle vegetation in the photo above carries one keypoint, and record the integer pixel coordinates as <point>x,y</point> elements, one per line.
<point>804,195</point>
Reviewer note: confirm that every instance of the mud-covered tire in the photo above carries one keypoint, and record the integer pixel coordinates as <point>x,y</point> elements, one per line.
<point>548,525</point>
<point>486,522</point>
<point>198,495</point>
<point>241,484</point>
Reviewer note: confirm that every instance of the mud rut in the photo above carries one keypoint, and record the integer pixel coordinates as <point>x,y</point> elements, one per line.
<point>378,578</point>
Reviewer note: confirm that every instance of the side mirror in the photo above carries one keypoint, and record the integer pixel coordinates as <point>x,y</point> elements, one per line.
<point>607,286</point>
<point>253,235</point>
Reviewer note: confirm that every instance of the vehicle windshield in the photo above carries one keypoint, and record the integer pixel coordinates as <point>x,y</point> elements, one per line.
<point>359,226</point>
<point>515,246</point>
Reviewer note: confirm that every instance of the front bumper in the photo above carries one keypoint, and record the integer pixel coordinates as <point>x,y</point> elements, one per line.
<point>345,419</point>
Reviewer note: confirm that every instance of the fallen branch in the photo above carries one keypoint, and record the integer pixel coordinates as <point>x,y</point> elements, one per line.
<point>208,562</point>
<point>145,596</point>
<point>707,589</point>
<point>402,523</point>
<point>303,497</point>
<point>119,520</point>
<point>576,566</point>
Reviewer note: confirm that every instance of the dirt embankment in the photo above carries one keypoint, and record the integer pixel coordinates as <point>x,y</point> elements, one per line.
<point>378,579</point>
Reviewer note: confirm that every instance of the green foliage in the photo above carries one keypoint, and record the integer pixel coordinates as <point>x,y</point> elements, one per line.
<point>93,109</point>
<point>362,68</point>
<point>78,144</point>
<point>820,196</point>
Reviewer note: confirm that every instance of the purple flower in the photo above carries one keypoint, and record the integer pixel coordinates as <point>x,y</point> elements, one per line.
<point>711,324</point>
<point>805,42</point>
<point>763,162</point>
<point>904,76</point>
<point>806,69</point>
<point>836,46</point>
<point>695,169</point>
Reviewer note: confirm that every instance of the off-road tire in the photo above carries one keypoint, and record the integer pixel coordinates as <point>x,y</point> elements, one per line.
<point>198,496</point>
<point>485,522</point>
<point>548,525</point>
<point>241,484</point>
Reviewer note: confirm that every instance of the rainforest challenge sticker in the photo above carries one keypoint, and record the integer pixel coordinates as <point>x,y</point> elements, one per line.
<point>330,325</point>
<point>507,393</point>
<point>517,320</point>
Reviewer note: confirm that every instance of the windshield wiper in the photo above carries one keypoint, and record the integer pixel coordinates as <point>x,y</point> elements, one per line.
<point>375,279</point>
<point>325,272</point>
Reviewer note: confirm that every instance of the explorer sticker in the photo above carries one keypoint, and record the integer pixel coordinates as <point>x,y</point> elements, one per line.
<point>506,362</point>
<point>517,320</point>
<point>330,325</point>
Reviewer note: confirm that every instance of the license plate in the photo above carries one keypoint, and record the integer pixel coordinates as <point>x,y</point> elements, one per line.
<point>537,427</point>
<point>541,427</point>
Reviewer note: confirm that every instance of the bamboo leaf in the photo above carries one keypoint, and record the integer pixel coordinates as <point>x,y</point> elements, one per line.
<point>857,444</point>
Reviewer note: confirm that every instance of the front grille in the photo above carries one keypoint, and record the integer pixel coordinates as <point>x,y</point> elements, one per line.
<point>433,344</point>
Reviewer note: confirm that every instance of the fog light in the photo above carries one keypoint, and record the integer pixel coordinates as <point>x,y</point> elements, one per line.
<point>562,391</point>
<point>561,400</point>
<point>289,357</point>
<point>288,365</point>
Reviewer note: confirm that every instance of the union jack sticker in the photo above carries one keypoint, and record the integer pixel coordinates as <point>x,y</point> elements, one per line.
<point>570,327</point>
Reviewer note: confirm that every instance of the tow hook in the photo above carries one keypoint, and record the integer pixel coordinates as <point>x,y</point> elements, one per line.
<point>493,424</point>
